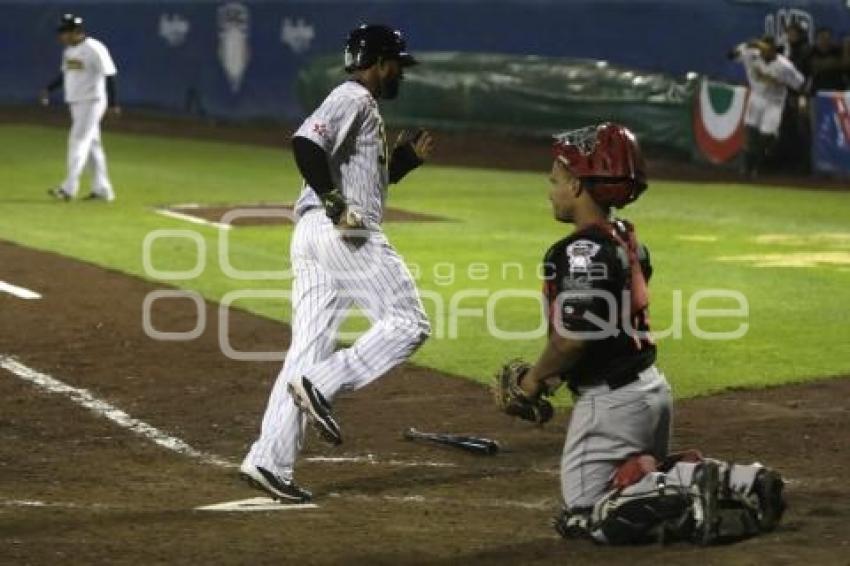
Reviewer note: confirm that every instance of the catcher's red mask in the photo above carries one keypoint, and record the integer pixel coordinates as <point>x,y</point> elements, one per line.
<point>608,161</point>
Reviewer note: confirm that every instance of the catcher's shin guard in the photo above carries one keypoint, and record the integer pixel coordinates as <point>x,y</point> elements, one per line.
<point>706,491</point>
<point>651,516</point>
<point>646,511</point>
<point>771,503</point>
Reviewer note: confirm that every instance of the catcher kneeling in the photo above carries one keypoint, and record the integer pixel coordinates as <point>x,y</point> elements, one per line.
<point>619,482</point>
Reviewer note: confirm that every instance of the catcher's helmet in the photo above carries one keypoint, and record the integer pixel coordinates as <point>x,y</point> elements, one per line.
<point>69,22</point>
<point>370,42</point>
<point>608,161</point>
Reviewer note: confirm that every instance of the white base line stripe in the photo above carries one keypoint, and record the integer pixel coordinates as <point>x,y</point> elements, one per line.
<point>85,399</point>
<point>370,459</point>
<point>191,218</point>
<point>19,292</point>
<point>39,504</point>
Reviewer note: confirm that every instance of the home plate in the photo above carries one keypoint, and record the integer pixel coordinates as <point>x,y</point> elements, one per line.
<point>257,504</point>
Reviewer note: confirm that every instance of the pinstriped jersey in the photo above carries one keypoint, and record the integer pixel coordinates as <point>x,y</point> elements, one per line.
<point>349,127</point>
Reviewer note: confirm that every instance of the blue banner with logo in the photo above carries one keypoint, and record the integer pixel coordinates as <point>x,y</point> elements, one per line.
<point>241,59</point>
<point>831,134</point>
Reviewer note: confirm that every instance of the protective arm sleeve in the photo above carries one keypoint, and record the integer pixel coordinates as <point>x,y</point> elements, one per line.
<point>312,162</point>
<point>55,83</point>
<point>111,91</point>
<point>403,161</point>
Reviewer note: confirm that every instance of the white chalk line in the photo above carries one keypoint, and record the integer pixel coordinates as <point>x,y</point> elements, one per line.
<point>55,504</point>
<point>84,398</point>
<point>191,218</point>
<point>371,459</point>
<point>20,292</point>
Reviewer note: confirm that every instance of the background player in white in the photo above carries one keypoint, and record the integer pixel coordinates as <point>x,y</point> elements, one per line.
<point>770,75</point>
<point>341,258</point>
<point>88,79</point>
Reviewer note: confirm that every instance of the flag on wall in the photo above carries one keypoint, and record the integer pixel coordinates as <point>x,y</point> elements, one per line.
<point>719,120</point>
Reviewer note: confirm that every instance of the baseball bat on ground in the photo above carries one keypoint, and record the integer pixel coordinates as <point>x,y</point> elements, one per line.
<point>472,444</point>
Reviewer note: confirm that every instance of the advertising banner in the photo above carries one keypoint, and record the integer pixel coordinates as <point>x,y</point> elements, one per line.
<point>831,134</point>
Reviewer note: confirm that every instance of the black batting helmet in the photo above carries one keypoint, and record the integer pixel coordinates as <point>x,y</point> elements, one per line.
<point>370,42</point>
<point>69,22</point>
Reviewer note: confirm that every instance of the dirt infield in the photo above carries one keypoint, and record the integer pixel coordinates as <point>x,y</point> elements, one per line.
<point>217,213</point>
<point>75,487</point>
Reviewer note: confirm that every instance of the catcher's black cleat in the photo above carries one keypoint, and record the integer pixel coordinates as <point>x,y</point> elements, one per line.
<point>573,525</point>
<point>280,489</point>
<point>310,400</point>
<point>59,194</point>
<point>768,488</point>
<point>706,512</point>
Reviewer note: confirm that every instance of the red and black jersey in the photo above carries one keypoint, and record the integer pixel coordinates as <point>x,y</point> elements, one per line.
<point>595,287</point>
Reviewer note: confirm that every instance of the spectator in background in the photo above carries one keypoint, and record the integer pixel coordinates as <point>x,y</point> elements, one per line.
<point>824,64</point>
<point>792,147</point>
<point>770,75</point>
<point>845,61</point>
<point>797,42</point>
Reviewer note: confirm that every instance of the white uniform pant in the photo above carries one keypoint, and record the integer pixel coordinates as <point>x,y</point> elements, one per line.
<point>764,114</point>
<point>332,275</point>
<point>85,147</point>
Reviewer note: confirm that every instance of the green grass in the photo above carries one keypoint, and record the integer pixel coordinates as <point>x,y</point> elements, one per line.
<point>797,323</point>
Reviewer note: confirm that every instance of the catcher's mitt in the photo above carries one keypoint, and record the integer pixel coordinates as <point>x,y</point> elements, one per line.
<point>513,401</point>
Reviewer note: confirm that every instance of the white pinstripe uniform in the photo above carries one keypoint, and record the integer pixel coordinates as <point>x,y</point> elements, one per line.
<point>331,275</point>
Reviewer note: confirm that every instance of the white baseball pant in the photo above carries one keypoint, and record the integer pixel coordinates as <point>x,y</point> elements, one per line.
<point>764,115</point>
<point>606,427</point>
<point>331,275</point>
<point>84,146</point>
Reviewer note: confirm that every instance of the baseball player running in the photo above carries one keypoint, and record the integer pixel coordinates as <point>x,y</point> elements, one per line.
<point>619,482</point>
<point>770,75</point>
<point>341,258</point>
<point>88,79</point>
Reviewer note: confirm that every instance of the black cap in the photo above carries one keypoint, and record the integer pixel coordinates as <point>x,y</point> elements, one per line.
<point>370,42</point>
<point>69,22</point>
